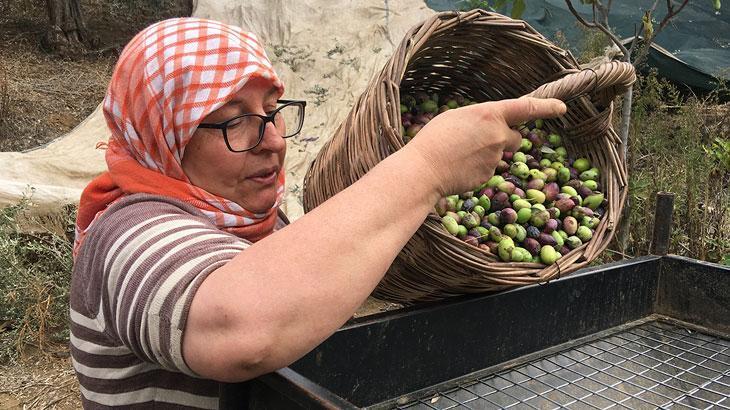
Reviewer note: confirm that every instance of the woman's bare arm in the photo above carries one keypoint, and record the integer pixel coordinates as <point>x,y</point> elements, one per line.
<point>285,294</point>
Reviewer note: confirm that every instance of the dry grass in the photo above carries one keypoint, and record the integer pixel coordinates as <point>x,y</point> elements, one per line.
<point>40,381</point>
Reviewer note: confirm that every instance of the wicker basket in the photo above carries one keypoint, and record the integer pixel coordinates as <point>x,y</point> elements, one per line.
<point>484,57</point>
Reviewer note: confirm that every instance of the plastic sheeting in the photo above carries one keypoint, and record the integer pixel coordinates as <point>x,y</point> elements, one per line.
<point>694,49</point>
<point>325,51</point>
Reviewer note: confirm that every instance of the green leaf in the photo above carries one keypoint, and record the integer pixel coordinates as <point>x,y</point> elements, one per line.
<point>726,260</point>
<point>518,8</point>
<point>499,4</point>
<point>546,150</point>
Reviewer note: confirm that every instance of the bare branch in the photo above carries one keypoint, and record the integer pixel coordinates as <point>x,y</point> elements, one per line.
<point>606,12</point>
<point>656,3</point>
<point>633,44</point>
<point>671,12</point>
<point>580,18</point>
<point>601,27</point>
<point>593,10</point>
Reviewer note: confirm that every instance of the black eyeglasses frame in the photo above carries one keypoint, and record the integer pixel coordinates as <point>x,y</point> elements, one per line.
<point>223,125</point>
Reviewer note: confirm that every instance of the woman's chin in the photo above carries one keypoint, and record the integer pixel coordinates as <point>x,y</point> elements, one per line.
<point>258,205</point>
<point>255,199</point>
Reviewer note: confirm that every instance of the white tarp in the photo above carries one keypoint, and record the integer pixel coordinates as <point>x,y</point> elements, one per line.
<point>325,51</point>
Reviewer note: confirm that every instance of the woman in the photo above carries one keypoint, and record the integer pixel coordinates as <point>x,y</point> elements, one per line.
<point>184,274</point>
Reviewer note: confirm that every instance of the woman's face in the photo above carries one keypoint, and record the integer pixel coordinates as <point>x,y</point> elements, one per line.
<point>246,178</point>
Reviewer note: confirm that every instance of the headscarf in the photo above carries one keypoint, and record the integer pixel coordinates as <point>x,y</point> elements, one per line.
<point>168,78</point>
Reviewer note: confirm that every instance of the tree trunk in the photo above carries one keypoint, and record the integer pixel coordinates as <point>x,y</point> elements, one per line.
<point>67,32</point>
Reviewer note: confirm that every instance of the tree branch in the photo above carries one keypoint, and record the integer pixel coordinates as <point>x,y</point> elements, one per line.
<point>670,15</point>
<point>599,26</point>
<point>578,16</point>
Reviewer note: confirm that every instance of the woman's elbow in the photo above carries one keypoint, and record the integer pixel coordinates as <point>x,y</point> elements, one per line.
<point>230,355</point>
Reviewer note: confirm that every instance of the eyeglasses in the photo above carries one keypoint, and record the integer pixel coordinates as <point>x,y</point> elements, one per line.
<point>245,132</point>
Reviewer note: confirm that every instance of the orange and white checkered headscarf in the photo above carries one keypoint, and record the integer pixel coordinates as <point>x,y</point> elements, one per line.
<point>168,78</point>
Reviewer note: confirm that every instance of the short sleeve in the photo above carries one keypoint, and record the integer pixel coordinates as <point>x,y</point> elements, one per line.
<point>153,256</point>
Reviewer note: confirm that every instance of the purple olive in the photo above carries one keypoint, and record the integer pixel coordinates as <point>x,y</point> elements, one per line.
<point>551,191</point>
<point>546,239</point>
<point>535,153</point>
<point>471,240</point>
<point>488,191</point>
<point>500,200</point>
<point>508,216</point>
<point>476,234</point>
<point>422,119</point>
<point>532,245</point>
<point>585,192</point>
<point>580,211</point>
<point>550,226</point>
<point>535,139</point>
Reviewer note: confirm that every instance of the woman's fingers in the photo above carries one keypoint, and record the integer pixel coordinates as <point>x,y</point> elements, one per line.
<point>514,141</point>
<point>517,111</point>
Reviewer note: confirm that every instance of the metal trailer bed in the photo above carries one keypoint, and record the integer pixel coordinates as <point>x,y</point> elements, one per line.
<point>652,332</point>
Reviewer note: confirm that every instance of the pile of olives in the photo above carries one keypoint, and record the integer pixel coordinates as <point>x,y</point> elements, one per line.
<point>539,205</point>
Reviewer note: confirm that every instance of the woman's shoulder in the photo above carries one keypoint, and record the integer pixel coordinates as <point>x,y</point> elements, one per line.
<point>146,205</point>
<point>144,213</point>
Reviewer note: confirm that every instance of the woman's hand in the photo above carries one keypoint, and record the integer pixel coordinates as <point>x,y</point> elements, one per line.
<point>462,147</point>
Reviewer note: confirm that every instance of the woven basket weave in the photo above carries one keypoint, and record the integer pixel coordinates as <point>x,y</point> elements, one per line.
<point>484,57</point>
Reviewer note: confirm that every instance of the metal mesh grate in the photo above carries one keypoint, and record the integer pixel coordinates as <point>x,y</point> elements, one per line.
<point>655,364</point>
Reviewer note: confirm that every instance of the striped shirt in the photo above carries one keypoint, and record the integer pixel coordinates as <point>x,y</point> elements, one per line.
<point>133,281</point>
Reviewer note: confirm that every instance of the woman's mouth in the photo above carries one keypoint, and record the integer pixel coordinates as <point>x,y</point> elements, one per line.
<point>265,177</point>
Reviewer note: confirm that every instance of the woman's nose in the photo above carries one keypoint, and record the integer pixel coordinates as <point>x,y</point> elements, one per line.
<point>273,139</point>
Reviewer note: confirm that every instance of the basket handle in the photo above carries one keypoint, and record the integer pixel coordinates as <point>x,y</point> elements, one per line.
<point>604,82</point>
